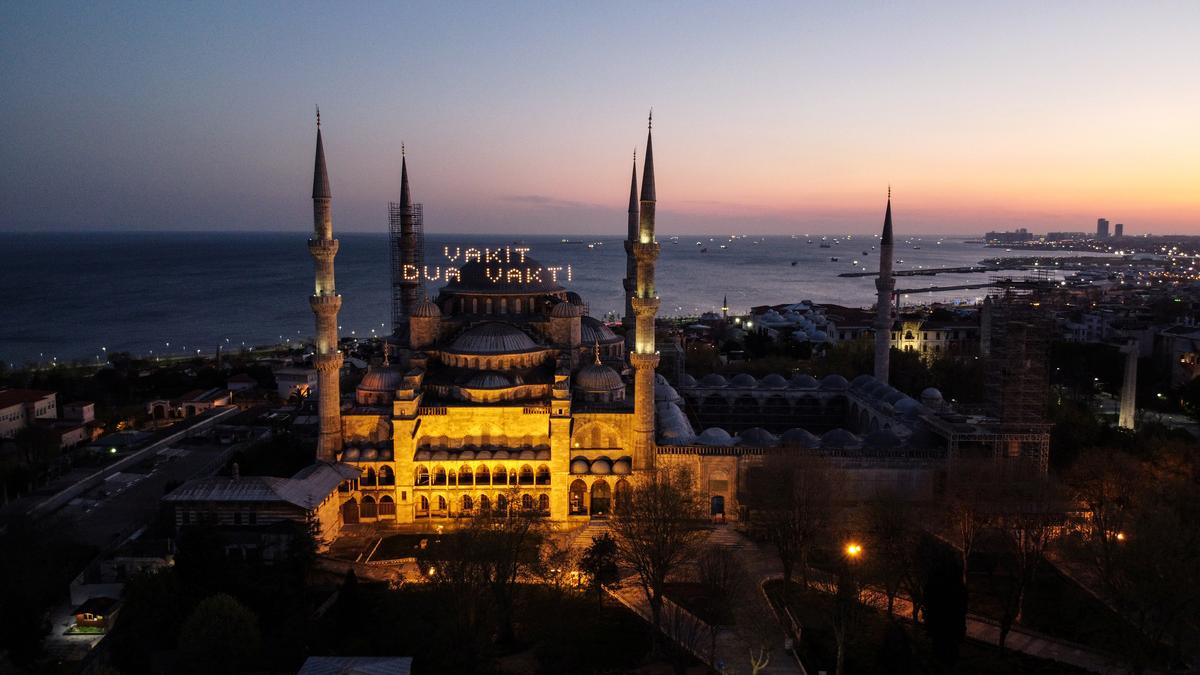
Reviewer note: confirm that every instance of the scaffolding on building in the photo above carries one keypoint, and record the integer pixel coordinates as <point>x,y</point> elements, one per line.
<point>401,287</point>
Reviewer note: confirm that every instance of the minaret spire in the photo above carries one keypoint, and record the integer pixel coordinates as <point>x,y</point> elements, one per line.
<point>325,303</point>
<point>644,357</point>
<point>885,284</point>
<point>648,170</point>
<point>408,289</point>
<point>630,281</point>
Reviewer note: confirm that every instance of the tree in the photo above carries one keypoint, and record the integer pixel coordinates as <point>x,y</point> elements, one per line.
<point>945,609</point>
<point>895,654</point>
<point>1029,521</point>
<point>792,503</point>
<point>151,612</point>
<point>657,529</point>
<point>1105,483</point>
<point>220,636</point>
<point>967,506</point>
<point>891,536</point>
<point>599,563</point>
<point>847,610</point>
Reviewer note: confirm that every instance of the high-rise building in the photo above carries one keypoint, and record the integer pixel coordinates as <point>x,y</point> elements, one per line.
<point>1102,228</point>
<point>1119,230</point>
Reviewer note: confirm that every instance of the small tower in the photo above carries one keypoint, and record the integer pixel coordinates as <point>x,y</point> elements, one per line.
<point>884,284</point>
<point>725,307</point>
<point>644,357</point>
<point>1128,412</point>
<point>630,281</point>
<point>408,239</point>
<point>325,303</point>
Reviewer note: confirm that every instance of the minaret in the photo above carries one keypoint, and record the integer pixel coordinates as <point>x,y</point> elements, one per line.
<point>408,239</point>
<point>725,307</point>
<point>644,358</point>
<point>630,281</point>
<point>884,284</point>
<point>325,303</point>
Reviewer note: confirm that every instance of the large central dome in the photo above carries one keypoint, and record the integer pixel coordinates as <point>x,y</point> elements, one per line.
<point>493,338</point>
<point>498,277</point>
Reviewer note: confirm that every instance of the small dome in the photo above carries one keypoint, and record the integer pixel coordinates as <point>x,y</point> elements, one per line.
<point>892,397</point>
<point>350,455</point>
<point>422,456</point>
<point>565,310</point>
<point>426,309</point>
<point>861,382</point>
<point>527,453</point>
<point>931,394</point>
<point>839,438</point>
<point>803,382</point>
<point>659,378</point>
<point>501,454</point>
<point>489,379</point>
<point>622,467</point>
<point>756,437</point>
<point>713,380</point>
<point>440,455</point>
<point>544,453</point>
<point>574,298</point>
<point>714,436</point>
<point>773,381</point>
<point>385,454</point>
<point>493,337</point>
<point>598,378</point>
<point>665,393</point>
<point>579,465</point>
<point>601,466</point>
<point>687,381</point>
<point>907,406</point>
<point>744,380</point>
<point>370,455</point>
<point>799,438</point>
<point>592,331</point>
<point>466,455</point>
<point>483,454</point>
<point>381,379</point>
<point>834,382</point>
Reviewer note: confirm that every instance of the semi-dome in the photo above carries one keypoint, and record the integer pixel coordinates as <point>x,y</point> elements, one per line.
<point>743,380</point>
<point>799,438</point>
<point>477,277</point>
<point>579,465</point>
<point>566,310</point>
<point>773,381</point>
<point>597,377</point>
<point>834,382</point>
<point>592,330</point>
<point>803,382</point>
<point>714,436</point>
<point>489,379</point>
<point>757,437</point>
<point>839,438</point>
<point>493,337</point>
<point>712,380</point>
<point>427,309</point>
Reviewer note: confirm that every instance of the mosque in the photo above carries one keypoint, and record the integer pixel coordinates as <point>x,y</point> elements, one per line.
<point>502,393</point>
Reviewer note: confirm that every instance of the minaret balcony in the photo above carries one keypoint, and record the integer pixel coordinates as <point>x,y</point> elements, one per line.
<point>646,251</point>
<point>328,362</point>
<point>640,361</point>
<point>645,306</point>
<point>325,303</point>
<point>323,249</point>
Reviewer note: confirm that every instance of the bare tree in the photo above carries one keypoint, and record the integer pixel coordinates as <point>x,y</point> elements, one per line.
<point>791,505</point>
<point>1105,483</point>
<point>891,539</point>
<point>1030,518</point>
<point>968,503</point>
<point>657,529</point>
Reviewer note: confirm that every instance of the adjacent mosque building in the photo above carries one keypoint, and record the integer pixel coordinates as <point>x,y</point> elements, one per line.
<point>502,393</point>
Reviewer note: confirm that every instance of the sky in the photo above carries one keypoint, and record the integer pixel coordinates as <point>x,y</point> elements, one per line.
<point>522,117</point>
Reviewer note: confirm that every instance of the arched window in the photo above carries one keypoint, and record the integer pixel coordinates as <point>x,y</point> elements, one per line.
<point>621,495</point>
<point>386,476</point>
<point>467,503</point>
<point>452,477</point>
<point>423,504</point>
<point>544,503</point>
<point>501,503</point>
<point>387,506</point>
<point>369,509</point>
<point>576,502</point>
<point>441,503</point>
<point>500,476</point>
<point>601,498</point>
<point>482,475</point>
<point>527,502</point>
<point>526,475</point>
<point>464,475</point>
<point>484,503</point>
<point>543,475</point>
<point>422,477</point>
<point>368,478</point>
<point>439,476</point>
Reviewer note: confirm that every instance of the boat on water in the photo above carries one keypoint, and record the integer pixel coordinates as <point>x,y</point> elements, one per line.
<point>833,259</point>
<point>824,245</point>
<point>866,253</point>
<point>794,262</point>
<point>704,250</point>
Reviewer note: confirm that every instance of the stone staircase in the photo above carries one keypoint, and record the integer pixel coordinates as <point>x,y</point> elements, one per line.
<point>582,538</point>
<point>726,537</point>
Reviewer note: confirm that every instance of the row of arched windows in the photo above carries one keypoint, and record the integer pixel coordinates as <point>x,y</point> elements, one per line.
<point>439,505</point>
<point>481,475</point>
<point>385,477</point>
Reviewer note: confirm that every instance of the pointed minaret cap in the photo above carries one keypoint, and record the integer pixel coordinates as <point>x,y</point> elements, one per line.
<point>887,220</point>
<point>648,169</point>
<point>633,190</point>
<point>320,174</point>
<point>405,193</point>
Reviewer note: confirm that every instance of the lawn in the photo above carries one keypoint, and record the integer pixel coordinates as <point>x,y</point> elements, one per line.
<point>404,546</point>
<point>865,652</point>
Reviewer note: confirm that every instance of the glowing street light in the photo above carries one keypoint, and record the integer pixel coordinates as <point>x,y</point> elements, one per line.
<point>853,550</point>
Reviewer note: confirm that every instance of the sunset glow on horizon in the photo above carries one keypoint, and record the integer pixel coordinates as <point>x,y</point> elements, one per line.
<point>770,118</point>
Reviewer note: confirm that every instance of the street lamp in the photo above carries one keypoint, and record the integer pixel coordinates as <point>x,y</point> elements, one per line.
<point>853,550</point>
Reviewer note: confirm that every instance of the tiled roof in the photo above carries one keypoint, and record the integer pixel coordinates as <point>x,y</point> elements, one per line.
<point>306,489</point>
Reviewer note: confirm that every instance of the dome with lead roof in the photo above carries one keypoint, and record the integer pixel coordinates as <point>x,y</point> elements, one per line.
<point>774,381</point>
<point>426,309</point>
<point>714,436</point>
<point>757,437</point>
<point>834,382</point>
<point>803,382</point>
<point>799,438</point>
<point>743,380</point>
<point>493,337</point>
<point>839,438</point>
<point>592,331</point>
<point>489,379</point>
<point>713,380</point>
<point>566,310</point>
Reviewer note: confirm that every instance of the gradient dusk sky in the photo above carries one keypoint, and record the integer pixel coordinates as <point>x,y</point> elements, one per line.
<point>782,117</point>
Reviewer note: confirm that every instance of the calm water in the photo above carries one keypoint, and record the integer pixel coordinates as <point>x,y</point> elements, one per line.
<point>69,294</point>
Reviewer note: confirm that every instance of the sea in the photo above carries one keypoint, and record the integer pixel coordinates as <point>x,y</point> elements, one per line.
<point>78,296</point>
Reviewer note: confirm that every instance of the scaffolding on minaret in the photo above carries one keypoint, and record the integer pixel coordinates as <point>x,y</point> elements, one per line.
<point>396,249</point>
